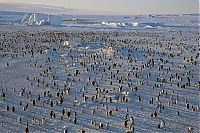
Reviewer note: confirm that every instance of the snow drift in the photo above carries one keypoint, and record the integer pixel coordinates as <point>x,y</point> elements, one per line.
<point>41,19</point>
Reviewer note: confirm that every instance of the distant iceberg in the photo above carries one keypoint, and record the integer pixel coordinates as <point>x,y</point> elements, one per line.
<point>39,19</point>
<point>133,24</point>
<point>117,24</point>
<point>151,25</point>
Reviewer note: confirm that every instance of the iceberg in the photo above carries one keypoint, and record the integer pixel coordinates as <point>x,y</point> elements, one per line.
<point>54,20</point>
<point>151,25</point>
<point>118,24</point>
<point>39,19</point>
<point>134,24</point>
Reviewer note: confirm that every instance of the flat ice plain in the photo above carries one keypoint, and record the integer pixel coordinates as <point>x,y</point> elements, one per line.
<point>99,74</point>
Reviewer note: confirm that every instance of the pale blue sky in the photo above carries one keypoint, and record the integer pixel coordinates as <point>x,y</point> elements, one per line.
<point>129,7</point>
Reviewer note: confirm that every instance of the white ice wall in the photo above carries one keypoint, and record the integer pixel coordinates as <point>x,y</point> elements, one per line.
<point>41,19</point>
<point>55,20</point>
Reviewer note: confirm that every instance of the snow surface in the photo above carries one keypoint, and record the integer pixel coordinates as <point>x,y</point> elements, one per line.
<point>99,68</point>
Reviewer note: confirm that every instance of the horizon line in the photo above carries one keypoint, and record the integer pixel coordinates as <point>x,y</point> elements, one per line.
<point>49,9</point>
